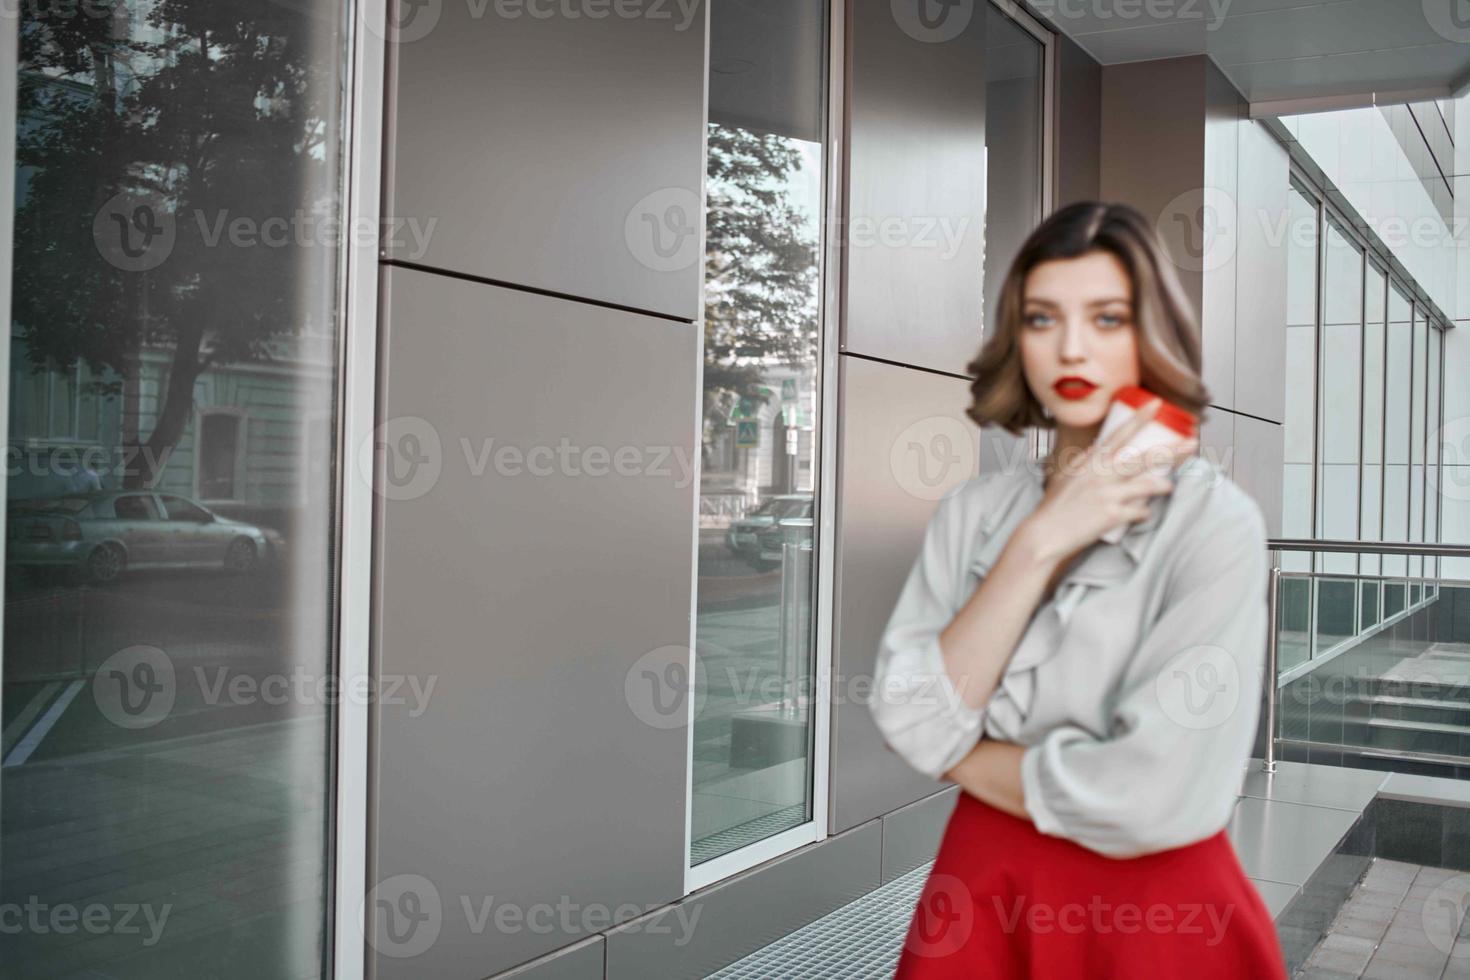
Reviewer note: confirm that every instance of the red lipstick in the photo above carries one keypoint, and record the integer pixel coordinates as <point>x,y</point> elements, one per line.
<point>1073,388</point>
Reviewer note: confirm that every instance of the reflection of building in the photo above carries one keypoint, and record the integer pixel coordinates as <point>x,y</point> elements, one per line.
<point>254,431</point>
<point>767,448</point>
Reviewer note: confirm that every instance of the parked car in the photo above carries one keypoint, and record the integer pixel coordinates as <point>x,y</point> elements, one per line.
<point>742,536</point>
<point>101,534</point>
<point>769,542</point>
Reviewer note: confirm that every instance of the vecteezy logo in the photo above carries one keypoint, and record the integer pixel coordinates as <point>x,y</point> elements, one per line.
<point>932,21</point>
<point>1200,225</point>
<point>1199,687</point>
<point>662,229</point>
<point>943,918</point>
<point>135,687</point>
<point>412,457</point>
<point>1450,19</point>
<point>1444,911</point>
<point>134,231</point>
<point>402,916</point>
<point>1451,478</point>
<point>661,685</point>
<point>407,20</point>
<point>929,457</point>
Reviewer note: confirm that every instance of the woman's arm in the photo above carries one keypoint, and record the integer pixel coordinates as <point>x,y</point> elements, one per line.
<point>978,643</point>
<point>1091,493</point>
<point>1169,771</point>
<point>939,660</point>
<point>936,668</point>
<point>992,773</point>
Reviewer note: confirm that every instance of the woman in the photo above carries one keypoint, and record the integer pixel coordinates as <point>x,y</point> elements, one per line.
<point>1096,703</point>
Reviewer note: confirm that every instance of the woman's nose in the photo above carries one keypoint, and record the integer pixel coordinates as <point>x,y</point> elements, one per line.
<point>1074,346</point>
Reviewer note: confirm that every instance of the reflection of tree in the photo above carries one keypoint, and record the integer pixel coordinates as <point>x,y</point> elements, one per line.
<point>760,271</point>
<point>214,111</point>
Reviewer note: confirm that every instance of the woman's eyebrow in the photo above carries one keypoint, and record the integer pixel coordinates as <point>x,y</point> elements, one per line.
<point>1042,301</point>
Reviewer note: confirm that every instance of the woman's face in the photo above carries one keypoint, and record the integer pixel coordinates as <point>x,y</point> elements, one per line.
<point>1078,343</point>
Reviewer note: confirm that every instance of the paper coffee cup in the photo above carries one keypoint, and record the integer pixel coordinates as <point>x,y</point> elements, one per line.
<point>1170,425</point>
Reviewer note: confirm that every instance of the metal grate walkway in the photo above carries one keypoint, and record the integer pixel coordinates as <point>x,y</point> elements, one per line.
<point>858,941</point>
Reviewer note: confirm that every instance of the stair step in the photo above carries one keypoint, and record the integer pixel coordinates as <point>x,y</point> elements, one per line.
<point>1441,727</point>
<point>1387,687</point>
<point>1370,752</point>
<point>1406,702</point>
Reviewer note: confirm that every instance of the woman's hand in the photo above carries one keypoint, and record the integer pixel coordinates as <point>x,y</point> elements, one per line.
<point>1102,486</point>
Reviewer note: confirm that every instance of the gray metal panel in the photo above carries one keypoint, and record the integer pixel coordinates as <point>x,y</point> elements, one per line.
<point>911,835</point>
<point>1259,451</point>
<point>1217,438</point>
<point>1079,123</point>
<point>550,150</point>
<point>1153,150</point>
<point>581,961</point>
<point>889,482</point>
<point>916,205</point>
<point>1260,340</point>
<point>531,595</point>
<point>1218,259</point>
<point>722,923</point>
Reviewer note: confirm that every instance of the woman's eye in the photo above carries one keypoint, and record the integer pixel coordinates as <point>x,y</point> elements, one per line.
<point>1110,320</point>
<point>1036,319</point>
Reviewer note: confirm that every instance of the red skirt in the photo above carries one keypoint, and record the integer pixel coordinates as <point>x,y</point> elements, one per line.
<point>1005,901</point>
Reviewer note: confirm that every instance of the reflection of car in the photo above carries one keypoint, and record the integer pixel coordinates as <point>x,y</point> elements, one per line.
<point>742,536</point>
<point>796,526</point>
<point>100,534</point>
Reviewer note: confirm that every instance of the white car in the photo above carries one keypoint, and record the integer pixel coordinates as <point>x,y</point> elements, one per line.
<point>101,534</point>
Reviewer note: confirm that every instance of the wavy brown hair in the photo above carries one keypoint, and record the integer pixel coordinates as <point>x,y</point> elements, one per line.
<point>1167,329</point>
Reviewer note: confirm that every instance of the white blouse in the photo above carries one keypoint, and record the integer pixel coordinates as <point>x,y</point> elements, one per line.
<point>1136,687</point>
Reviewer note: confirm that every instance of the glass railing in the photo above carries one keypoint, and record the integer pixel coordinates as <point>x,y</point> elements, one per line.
<point>1370,655</point>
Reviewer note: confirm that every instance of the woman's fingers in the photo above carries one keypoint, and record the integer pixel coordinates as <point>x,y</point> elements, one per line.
<point>1131,427</point>
<point>1131,511</point>
<point>1164,457</point>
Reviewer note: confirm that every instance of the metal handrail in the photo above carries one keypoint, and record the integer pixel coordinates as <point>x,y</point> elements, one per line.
<point>1320,546</point>
<point>1273,593</point>
<point>1431,550</point>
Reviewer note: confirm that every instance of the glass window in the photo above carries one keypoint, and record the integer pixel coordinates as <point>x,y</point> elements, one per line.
<point>1368,614</point>
<point>1339,392</point>
<point>1398,384</point>
<point>219,455</point>
<point>1295,645</point>
<point>179,509</point>
<point>1370,521</point>
<point>134,507</point>
<point>754,630</point>
<point>178,175</point>
<point>1432,453</point>
<point>1301,367</point>
<point>1418,400</point>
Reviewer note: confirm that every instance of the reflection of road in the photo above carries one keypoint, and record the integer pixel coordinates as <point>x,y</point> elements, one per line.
<point>737,639</point>
<point>204,855</point>
<point>238,650</point>
<point>728,581</point>
<point>205,829</point>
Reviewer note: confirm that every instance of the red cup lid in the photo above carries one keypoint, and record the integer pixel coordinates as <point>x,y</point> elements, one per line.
<point>1169,415</point>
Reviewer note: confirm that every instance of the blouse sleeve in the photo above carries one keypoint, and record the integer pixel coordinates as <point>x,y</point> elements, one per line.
<point>1185,719</point>
<point>915,704</point>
